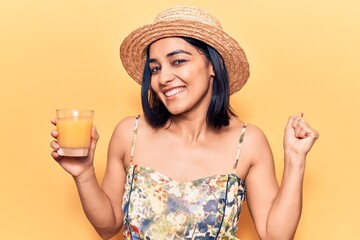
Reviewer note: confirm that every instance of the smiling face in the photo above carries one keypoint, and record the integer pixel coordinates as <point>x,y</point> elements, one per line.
<point>181,77</point>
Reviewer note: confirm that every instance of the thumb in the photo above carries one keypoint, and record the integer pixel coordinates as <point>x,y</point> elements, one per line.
<point>292,122</point>
<point>94,138</point>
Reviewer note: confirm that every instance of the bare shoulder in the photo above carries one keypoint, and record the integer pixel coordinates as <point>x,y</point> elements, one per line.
<point>255,135</point>
<point>121,139</point>
<point>253,132</point>
<point>125,127</point>
<point>255,143</point>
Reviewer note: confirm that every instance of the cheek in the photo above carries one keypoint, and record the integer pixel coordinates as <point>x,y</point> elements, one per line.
<point>153,84</point>
<point>199,71</point>
<point>185,73</point>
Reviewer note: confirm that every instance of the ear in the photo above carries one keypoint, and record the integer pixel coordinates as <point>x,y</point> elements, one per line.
<point>211,69</point>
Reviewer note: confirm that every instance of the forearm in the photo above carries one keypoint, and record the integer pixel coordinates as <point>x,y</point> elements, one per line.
<point>285,213</point>
<point>96,204</point>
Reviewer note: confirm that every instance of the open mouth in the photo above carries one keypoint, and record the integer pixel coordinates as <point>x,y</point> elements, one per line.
<point>174,91</point>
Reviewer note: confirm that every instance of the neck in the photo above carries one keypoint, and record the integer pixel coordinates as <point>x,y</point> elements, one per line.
<point>190,128</point>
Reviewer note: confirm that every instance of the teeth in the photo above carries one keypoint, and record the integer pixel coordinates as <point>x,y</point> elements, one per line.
<point>174,91</point>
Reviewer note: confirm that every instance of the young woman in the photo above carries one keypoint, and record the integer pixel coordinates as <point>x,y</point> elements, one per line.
<point>183,168</point>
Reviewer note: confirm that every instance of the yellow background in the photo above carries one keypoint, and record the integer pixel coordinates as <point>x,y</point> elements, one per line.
<point>304,56</point>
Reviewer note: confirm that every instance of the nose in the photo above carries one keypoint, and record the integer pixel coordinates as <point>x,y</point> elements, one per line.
<point>166,76</point>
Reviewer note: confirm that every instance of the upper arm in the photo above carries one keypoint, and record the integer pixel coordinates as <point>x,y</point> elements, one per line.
<point>261,183</point>
<point>113,183</point>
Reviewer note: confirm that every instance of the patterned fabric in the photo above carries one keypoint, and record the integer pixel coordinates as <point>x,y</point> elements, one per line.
<point>157,207</point>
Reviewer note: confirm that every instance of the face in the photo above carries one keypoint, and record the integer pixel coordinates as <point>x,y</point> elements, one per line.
<point>181,77</point>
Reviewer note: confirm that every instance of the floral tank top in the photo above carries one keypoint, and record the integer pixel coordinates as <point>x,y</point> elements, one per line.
<point>156,207</point>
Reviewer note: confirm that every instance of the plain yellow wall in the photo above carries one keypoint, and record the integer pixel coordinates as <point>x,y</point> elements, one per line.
<point>304,56</point>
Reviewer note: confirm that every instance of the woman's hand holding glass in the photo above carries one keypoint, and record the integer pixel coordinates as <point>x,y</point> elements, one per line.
<point>76,166</point>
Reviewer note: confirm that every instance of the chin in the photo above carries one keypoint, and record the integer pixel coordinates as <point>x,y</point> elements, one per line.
<point>177,110</point>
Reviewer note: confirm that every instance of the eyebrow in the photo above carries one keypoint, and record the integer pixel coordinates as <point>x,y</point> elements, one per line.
<point>170,54</point>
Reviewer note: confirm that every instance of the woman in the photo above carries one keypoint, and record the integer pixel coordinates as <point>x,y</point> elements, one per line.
<point>177,171</point>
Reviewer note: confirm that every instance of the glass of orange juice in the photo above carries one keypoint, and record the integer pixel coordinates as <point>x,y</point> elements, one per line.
<point>74,128</point>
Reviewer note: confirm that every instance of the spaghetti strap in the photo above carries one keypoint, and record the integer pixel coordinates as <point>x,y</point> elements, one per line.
<point>136,125</point>
<point>238,150</point>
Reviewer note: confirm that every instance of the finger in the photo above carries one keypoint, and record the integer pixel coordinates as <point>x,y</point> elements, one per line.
<point>314,134</point>
<point>310,132</point>
<point>298,124</point>
<point>301,133</point>
<point>54,121</point>
<point>94,134</point>
<point>305,131</point>
<point>94,139</point>
<point>54,145</point>
<point>54,133</point>
<point>292,120</point>
<point>296,119</point>
<point>55,155</point>
<point>297,129</point>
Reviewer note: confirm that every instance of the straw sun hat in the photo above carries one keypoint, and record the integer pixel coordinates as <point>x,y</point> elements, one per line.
<point>191,22</point>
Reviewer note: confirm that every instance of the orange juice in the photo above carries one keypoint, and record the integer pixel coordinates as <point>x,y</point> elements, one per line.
<point>74,128</point>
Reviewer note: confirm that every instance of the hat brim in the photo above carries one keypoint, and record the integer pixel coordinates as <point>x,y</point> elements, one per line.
<point>132,50</point>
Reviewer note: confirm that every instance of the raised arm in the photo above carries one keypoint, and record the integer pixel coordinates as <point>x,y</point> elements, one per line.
<point>276,211</point>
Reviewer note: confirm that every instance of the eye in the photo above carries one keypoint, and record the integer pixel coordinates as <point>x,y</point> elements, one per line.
<point>155,69</point>
<point>178,61</point>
